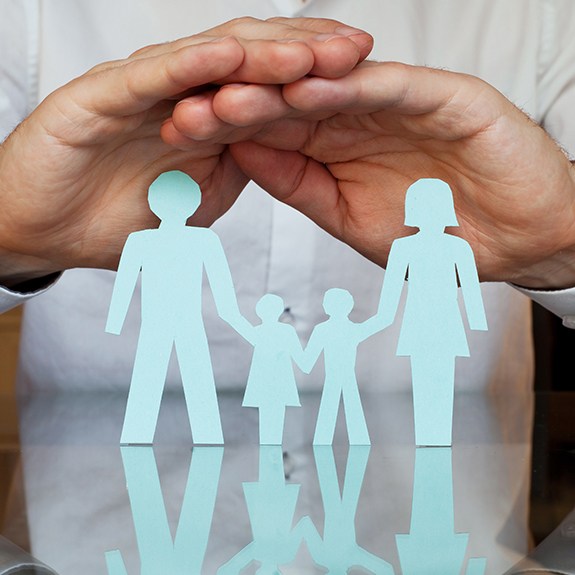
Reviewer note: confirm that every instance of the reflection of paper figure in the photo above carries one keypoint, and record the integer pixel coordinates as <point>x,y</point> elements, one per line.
<point>338,550</point>
<point>271,383</point>
<point>338,338</point>
<point>432,546</point>
<point>271,505</point>
<point>159,553</point>
<point>171,259</point>
<point>432,332</point>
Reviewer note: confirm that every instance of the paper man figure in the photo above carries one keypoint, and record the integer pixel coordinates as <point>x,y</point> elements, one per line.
<point>338,339</point>
<point>432,546</point>
<point>159,554</point>
<point>271,504</point>
<point>271,383</point>
<point>432,332</point>
<point>172,259</point>
<point>338,550</point>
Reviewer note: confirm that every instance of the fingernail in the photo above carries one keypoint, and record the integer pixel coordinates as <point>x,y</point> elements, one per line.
<point>348,31</point>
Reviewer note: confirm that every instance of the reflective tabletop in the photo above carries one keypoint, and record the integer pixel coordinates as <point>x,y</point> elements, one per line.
<point>93,507</point>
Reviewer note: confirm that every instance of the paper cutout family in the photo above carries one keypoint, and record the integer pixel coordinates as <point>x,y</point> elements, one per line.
<point>171,260</point>
<point>271,503</point>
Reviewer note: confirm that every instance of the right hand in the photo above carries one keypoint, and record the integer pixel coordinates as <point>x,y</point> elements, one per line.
<point>74,175</point>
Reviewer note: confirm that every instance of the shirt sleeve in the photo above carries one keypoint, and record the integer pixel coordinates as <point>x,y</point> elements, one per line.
<point>10,298</point>
<point>560,302</point>
<point>18,94</point>
<point>19,62</point>
<point>556,72</point>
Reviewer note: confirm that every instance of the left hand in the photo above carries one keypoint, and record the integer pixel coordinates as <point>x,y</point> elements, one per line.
<point>344,151</point>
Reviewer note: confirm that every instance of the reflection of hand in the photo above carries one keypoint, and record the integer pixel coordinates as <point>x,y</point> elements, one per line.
<point>384,126</point>
<point>74,175</point>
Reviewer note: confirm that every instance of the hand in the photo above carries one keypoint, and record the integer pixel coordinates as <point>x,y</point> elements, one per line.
<point>344,152</point>
<point>75,174</point>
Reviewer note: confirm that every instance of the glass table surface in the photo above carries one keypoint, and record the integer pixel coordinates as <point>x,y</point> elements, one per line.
<point>92,507</point>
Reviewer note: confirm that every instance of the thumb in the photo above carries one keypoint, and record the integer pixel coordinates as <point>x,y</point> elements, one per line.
<point>295,179</point>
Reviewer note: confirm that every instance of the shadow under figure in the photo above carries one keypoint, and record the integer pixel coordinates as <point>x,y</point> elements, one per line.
<point>432,332</point>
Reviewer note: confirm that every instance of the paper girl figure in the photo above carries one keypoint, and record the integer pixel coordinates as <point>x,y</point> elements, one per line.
<point>271,505</point>
<point>271,385</point>
<point>432,331</point>
<point>338,550</point>
<point>432,545</point>
<point>172,259</point>
<point>338,339</point>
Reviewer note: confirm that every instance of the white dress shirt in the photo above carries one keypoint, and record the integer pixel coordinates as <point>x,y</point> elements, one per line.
<point>525,48</point>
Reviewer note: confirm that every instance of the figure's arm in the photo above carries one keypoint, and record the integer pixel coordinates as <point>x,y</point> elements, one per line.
<point>371,326</point>
<point>126,278</point>
<point>312,351</point>
<point>470,287</point>
<point>393,282</point>
<point>222,286</point>
<point>296,351</point>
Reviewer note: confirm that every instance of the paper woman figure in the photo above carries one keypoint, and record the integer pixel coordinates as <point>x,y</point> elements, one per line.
<point>338,338</point>
<point>271,505</point>
<point>338,550</point>
<point>271,385</point>
<point>172,259</point>
<point>432,331</point>
<point>432,545</point>
<point>159,552</point>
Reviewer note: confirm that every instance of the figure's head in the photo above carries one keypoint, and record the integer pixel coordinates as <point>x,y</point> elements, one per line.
<point>174,196</point>
<point>270,307</point>
<point>429,201</point>
<point>337,302</point>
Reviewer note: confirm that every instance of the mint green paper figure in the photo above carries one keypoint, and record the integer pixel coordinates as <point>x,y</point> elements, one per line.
<point>338,550</point>
<point>271,385</point>
<point>338,339</point>
<point>159,553</point>
<point>432,331</point>
<point>432,547</point>
<point>271,505</point>
<point>172,259</point>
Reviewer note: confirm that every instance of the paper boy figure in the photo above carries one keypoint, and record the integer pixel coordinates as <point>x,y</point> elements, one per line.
<point>172,259</point>
<point>271,385</point>
<point>338,339</point>
<point>432,331</point>
<point>337,550</point>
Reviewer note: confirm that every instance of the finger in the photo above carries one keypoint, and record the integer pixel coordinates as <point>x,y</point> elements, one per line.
<point>439,103</point>
<point>138,85</point>
<point>215,115</point>
<point>294,179</point>
<point>279,28</point>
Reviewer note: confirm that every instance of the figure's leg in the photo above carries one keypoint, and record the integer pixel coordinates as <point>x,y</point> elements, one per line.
<point>433,384</point>
<point>146,387</point>
<point>355,418</point>
<point>271,425</point>
<point>327,414</point>
<point>199,388</point>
